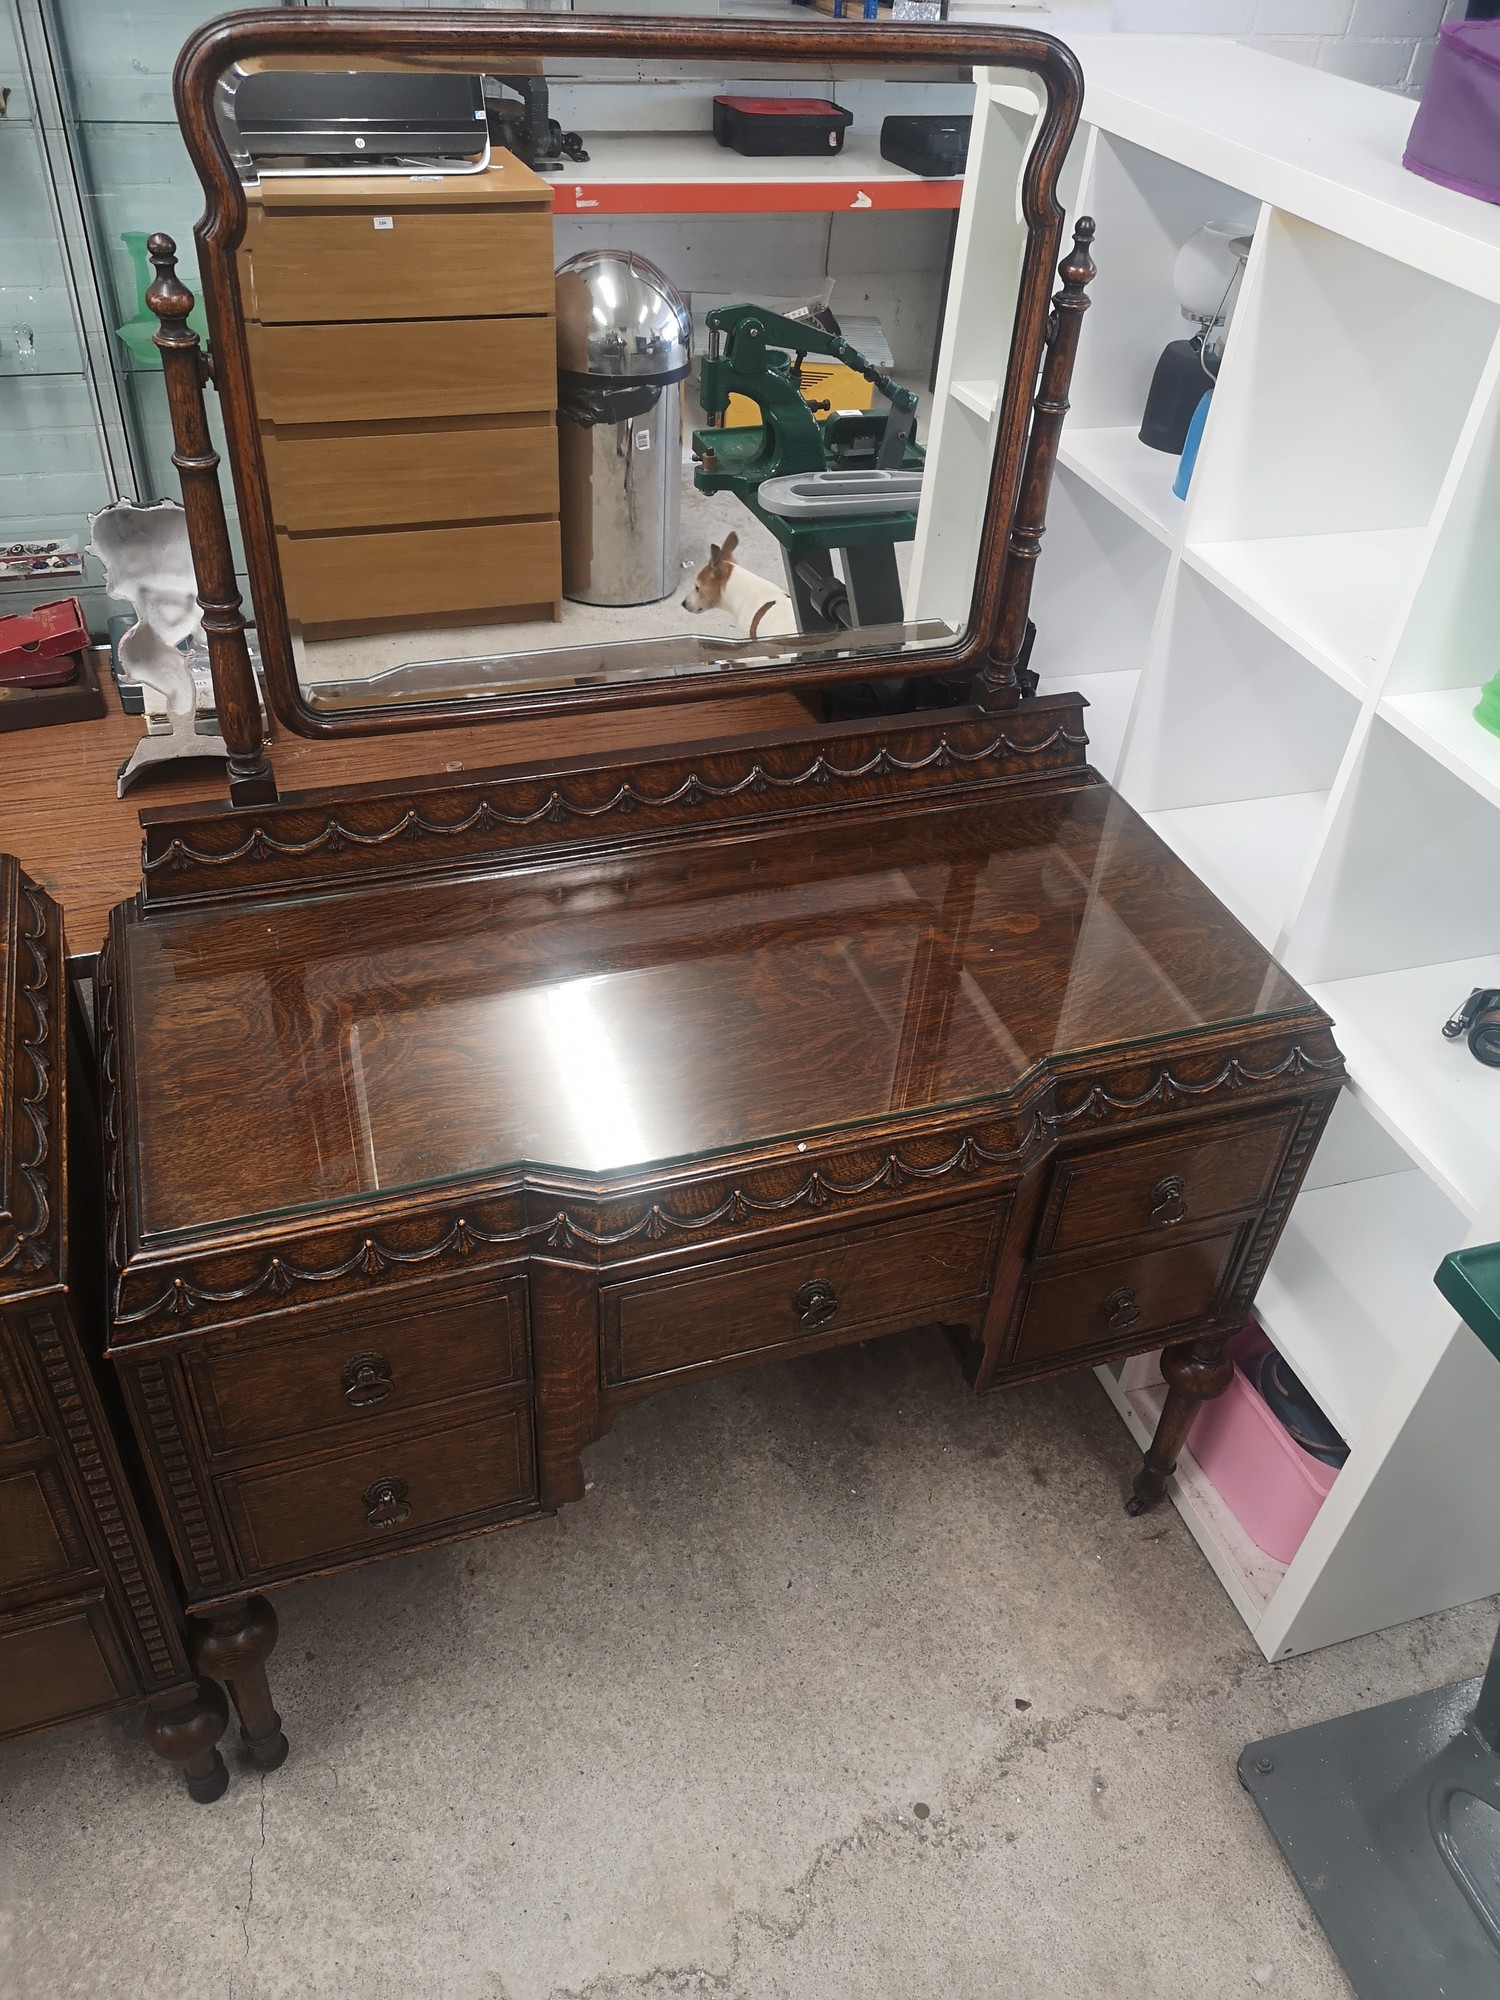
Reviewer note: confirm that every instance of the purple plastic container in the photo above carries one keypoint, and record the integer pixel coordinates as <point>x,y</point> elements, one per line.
<point>1455,137</point>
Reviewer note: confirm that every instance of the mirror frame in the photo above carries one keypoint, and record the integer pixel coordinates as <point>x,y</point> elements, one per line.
<point>505,42</point>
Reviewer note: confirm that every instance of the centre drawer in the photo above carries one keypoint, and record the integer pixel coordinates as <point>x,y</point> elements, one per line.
<point>384,370</point>
<point>1123,1301</point>
<point>355,1503</point>
<point>480,469</point>
<point>1162,1182</point>
<point>912,1271</point>
<point>354,1373</point>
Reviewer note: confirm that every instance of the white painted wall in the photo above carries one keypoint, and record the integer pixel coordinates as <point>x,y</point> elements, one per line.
<point>1384,42</point>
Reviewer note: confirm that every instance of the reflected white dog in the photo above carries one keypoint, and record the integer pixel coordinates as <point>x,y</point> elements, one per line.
<point>760,608</point>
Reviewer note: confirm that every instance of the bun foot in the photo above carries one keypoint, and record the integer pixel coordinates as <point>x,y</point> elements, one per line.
<point>234,1646</point>
<point>185,1730</point>
<point>212,1786</point>
<point>266,1753</point>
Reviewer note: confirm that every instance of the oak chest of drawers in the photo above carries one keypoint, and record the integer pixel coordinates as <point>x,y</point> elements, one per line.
<point>406,387</point>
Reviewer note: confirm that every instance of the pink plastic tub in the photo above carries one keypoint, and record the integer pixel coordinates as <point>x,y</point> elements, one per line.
<point>1269,1483</point>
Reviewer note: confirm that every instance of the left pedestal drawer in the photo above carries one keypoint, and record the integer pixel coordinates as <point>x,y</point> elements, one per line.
<point>357,1372</point>
<point>412,1486</point>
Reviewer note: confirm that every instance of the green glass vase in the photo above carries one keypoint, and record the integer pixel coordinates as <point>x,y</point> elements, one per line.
<point>1487,709</point>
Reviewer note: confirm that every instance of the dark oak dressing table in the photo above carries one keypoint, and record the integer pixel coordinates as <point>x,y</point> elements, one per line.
<point>444,1119</point>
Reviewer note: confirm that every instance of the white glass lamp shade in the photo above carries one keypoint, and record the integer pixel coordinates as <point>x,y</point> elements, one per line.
<point>1206,267</point>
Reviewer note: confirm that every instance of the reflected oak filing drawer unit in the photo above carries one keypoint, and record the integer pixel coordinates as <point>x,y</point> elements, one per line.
<point>89,1616</point>
<point>405,367</point>
<point>507,1147</point>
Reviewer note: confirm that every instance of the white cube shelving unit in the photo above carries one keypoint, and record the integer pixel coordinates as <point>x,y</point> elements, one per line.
<point>1283,670</point>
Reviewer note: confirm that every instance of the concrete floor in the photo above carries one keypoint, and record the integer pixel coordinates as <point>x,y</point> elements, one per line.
<point>838,1686</point>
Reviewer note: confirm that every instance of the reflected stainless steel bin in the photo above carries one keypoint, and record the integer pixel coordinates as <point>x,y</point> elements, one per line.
<point>624,343</point>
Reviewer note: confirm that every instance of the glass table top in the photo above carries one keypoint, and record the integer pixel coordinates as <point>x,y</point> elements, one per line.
<point>619,1012</point>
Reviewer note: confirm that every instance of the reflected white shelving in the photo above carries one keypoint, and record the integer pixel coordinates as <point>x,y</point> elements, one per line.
<point>1250,852</point>
<point>1283,670</point>
<point>980,397</point>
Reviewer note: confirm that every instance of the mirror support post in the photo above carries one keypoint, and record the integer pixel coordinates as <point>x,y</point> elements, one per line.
<point>251,780</point>
<point>1004,682</point>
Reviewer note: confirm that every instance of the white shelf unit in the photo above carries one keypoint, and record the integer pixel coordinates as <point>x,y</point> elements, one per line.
<point>1293,655</point>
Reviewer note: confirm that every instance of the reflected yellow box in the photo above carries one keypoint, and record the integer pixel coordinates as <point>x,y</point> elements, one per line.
<point>822,382</point>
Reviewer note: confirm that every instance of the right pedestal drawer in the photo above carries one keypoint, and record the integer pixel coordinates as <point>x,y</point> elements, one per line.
<point>1163,1182</point>
<point>1124,1300</point>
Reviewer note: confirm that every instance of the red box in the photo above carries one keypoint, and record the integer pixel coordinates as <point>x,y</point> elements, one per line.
<point>37,647</point>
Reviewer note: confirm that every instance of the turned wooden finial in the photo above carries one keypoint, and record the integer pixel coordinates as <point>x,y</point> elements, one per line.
<point>1077,268</point>
<point>167,296</point>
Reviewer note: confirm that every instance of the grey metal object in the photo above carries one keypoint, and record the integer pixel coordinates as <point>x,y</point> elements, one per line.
<point>620,319</point>
<point>624,344</point>
<point>1390,1820</point>
<point>870,592</point>
<point>148,563</point>
<point>821,496</point>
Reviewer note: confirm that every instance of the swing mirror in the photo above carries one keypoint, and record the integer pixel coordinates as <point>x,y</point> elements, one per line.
<point>553,380</point>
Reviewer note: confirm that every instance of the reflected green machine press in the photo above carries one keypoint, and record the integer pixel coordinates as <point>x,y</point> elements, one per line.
<point>849,482</point>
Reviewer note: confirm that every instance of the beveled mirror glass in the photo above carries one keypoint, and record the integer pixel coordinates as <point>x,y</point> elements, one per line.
<point>568,361</point>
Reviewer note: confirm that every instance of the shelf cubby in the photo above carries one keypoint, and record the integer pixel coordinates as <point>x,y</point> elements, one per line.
<point>1107,628</point>
<point>1129,474</point>
<point>1096,641</point>
<point>1349,1283</point>
<point>1337,416</point>
<point>1442,723</point>
<point>1396,927</point>
<point>1146,206</point>
<point>1250,1576</point>
<point>1233,749</point>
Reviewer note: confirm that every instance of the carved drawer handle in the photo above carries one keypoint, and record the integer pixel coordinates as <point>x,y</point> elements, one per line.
<point>385,1502</point>
<point>1122,1310</point>
<point>815,1303</point>
<point>367,1381</point>
<point>1168,1201</point>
